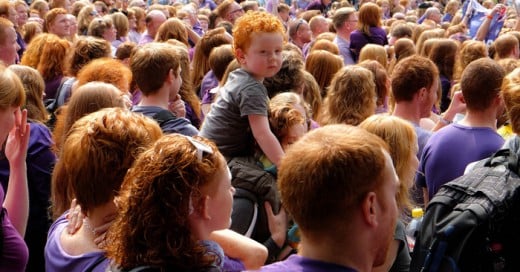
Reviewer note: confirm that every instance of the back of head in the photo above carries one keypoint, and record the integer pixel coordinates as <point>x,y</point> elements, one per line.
<point>52,15</point>
<point>173,28</point>
<point>98,26</point>
<point>380,78</point>
<point>219,58</point>
<point>52,57</point>
<point>34,87</point>
<point>374,52</point>
<point>398,134</point>
<point>469,51</point>
<point>404,48</point>
<point>99,150</point>
<point>401,30</point>
<point>369,15</point>
<point>253,23</point>
<point>12,93</point>
<point>480,83</point>
<point>283,113</point>
<point>290,76</point>
<point>4,25</point>
<point>106,70</point>
<point>410,75</point>
<point>170,177</point>
<point>351,97</point>
<point>151,64</point>
<point>323,65</point>
<point>84,50</point>
<point>511,94</point>
<point>443,54</point>
<point>332,167</point>
<point>324,44</point>
<point>504,45</point>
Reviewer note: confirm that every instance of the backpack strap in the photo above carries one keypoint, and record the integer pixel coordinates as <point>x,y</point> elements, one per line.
<point>163,116</point>
<point>242,193</point>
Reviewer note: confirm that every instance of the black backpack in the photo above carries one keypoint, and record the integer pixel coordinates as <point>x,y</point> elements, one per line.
<point>472,223</point>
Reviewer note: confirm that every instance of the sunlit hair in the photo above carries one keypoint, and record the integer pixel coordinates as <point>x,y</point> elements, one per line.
<point>480,83</point>
<point>511,94</point>
<point>106,70</point>
<point>470,50</point>
<point>504,45</point>
<point>31,56</point>
<point>443,54</point>
<point>289,77</point>
<point>323,65</point>
<point>351,97</point>
<point>403,48</point>
<point>165,179</point>
<point>381,80</point>
<point>219,58</point>
<point>411,75</point>
<point>426,35</point>
<point>98,26</point>
<point>401,138</point>
<point>4,25</point>
<point>232,66</point>
<point>186,91</point>
<point>509,64</point>
<point>401,30</point>
<point>312,93</point>
<point>283,114</point>
<point>222,9</point>
<point>52,57</point>
<point>428,46</point>
<point>326,45</point>
<point>173,28</point>
<point>139,15</point>
<point>87,99</point>
<point>211,39</point>
<point>252,23</point>
<point>341,15</point>
<point>151,64</point>
<point>12,93</point>
<point>4,7</point>
<point>77,6</point>
<point>34,87</point>
<point>30,30</point>
<point>374,52</point>
<point>451,7</point>
<point>84,50</point>
<point>120,22</point>
<point>84,19</point>
<point>341,162</point>
<point>369,16</point>
<point>51,16</point>
<point>98,151</point>
<point>40,6</point>
<point>124,50</point>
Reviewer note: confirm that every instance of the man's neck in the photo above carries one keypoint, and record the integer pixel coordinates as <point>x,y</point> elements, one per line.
<point>345,35</point>
<point>159,99</point>
<point>407,111</point>
<point>480,119</point>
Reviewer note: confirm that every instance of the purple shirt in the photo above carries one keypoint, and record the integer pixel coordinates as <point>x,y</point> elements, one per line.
<point>359,39</point>
<point>15,253</point>
<point>450,150</point>
<point>209,81</point>
<point>344,50</point>
<point>297,263</point>
<point>145,38</point>
<point>56,259</point>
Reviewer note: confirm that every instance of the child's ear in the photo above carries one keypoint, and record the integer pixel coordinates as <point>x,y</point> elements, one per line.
<point>240,56</point>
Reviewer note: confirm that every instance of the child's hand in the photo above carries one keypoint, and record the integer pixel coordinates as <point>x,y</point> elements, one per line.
<point>18,140</point>
<point>277,224</point>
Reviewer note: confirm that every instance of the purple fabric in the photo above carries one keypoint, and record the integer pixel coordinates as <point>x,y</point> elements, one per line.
<point>15,254</point>
<point>51,86</point>
<point>296,263</point>
<point>207,4</point>
<point>21,43</point>
<point>359,39</point>
<point>145,38</point>
<point>450,150</point>
<point>136,97</point>
<point>231,264</point>
<point>344,50</point>
<point>191,116</point>
<point>56,259</point>
<point>318,5</point>
<point>209,81</point>
<point>40,162</point>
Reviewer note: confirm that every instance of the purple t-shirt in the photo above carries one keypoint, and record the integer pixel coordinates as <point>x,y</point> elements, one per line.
<point>15,253</point>
<point>296,263</point>
<point>56,259</point>
<point>450,150</point>
<point>359,39</point>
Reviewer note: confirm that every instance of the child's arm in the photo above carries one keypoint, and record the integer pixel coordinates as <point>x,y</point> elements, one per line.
<point>251,253</point>
<point>265,138</point>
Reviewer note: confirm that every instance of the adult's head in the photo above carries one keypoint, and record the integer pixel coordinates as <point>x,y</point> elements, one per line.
<point>401,139</point>
<point>99,150</point>
<point>347,171</point>
<point>480,84</point>
<point>154,19</point>
<point>374,52</point>
<point>433,14</point>
<point>173,28</point>
<point>351,97</point>
<point>299,32</point>
<point>152,64</point>
<point>84,50</point>
<point>345,20</point>
<point>290,76</point>
<point>469,51</point>
<point>8,11</point>
<point>318,25</point>
<point>506,46</point>
<point>443,53</point>
<point>121,23</point>
<point>41,6</point>
<point>85,16</point>
<point>369,16</point>
<point>382,81</point>
<point>511,94</point>
<point>34,87</point>
<point>188,179</point>
<point>103,28</point>
<point>31,57</point>
<point>323,65</point>
<point>57,23</point>
<point>12,96</point>
<point>229,10</point>
<point>8,44</point>
<point>289,118</point>
<point>52,57</point>
<point>415,80</point>
<point>106,70</point>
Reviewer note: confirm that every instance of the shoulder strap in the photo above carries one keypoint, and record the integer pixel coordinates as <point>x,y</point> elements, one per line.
<point>163,116</point>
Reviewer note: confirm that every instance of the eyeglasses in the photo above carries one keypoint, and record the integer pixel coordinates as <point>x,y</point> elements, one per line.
<point>200,147</point>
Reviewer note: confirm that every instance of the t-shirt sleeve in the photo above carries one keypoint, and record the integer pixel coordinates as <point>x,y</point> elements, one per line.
<point>253,100</point>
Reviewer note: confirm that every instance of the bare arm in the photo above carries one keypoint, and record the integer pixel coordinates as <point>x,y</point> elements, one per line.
<point>17,196</point>
<point>457,105</point>
<point>425,196</point>
<point>265,138</point>
<point>251,253</point>
<point>484,28</point>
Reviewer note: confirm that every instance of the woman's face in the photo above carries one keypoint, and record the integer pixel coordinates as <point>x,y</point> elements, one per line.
<point>221,198</point>
<point>7,120</point>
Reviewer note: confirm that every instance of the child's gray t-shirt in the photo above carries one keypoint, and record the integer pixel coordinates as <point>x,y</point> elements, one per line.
<point>227,122</point>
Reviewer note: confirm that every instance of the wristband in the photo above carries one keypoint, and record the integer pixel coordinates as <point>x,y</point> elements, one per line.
<point>445,121</point>
<point>490,17</point>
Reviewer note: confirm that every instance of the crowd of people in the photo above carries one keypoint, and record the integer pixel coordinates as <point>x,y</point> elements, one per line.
<point>223,135</point>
